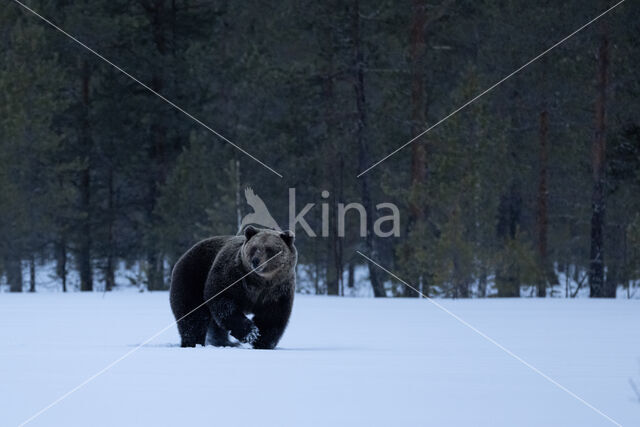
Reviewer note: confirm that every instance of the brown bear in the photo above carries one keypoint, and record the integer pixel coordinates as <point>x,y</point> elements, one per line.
<point>262,262</point>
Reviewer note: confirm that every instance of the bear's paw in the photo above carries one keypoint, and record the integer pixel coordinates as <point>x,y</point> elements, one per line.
<point>252,336</point>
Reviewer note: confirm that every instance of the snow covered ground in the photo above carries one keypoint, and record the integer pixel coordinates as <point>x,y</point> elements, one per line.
<point>342,361</point>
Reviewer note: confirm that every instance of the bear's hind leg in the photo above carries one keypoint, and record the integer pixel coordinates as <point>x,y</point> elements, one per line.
<point>193,328</point>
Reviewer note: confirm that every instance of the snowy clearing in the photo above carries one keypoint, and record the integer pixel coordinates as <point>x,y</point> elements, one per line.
<point>342,361</point>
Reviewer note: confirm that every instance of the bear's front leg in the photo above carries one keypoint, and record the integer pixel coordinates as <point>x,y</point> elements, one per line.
<point>226,313</point>
<point>271,320</point>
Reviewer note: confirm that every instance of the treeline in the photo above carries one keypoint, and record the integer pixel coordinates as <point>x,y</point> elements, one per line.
<point>533,189</point>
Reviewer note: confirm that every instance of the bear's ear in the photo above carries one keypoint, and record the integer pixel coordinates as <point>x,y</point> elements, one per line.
<point>249,232</point>
<point>288,237</point>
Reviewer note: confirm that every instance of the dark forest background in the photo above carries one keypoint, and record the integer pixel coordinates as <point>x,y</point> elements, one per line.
<point>534,189</point>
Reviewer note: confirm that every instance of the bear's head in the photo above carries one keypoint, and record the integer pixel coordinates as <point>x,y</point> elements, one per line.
<point>269,252</point>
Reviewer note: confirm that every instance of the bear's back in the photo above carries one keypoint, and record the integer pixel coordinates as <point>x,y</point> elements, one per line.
<point>190,273</point>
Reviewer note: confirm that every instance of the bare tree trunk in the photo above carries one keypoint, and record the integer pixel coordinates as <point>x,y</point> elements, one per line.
<point>154,258</point>
<point>507,277</point>
<point>334,166</point>
<point>542,211</point>
<point>32,273</point>
<point>418,152</point>
<point>334,251</point>
<point>482,283</point>
<point>417,48</point>
<point>337,241</point>
<point>461,287</point>
<point>158,18</point>
<point>316,276</point>
<point>363,150</point>
<point>61,261</point>
<point>352,279</point>
<point>84,248</point>
<point>109,275</point>
<point>333,287</point>
<point>598,163</point>
<point>14,273</point>
<point>333,241</point>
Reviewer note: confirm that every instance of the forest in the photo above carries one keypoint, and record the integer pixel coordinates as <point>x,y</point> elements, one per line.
<point>533,189</point>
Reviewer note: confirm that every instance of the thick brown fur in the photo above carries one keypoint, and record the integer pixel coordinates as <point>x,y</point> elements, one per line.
<point>211,265</point>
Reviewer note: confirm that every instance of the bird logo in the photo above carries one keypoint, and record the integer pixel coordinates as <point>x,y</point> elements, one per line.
<point>260,215</point>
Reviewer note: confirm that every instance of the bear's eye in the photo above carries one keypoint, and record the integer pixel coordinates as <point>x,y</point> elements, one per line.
<point>270,252</point>
<point>252,252</point>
